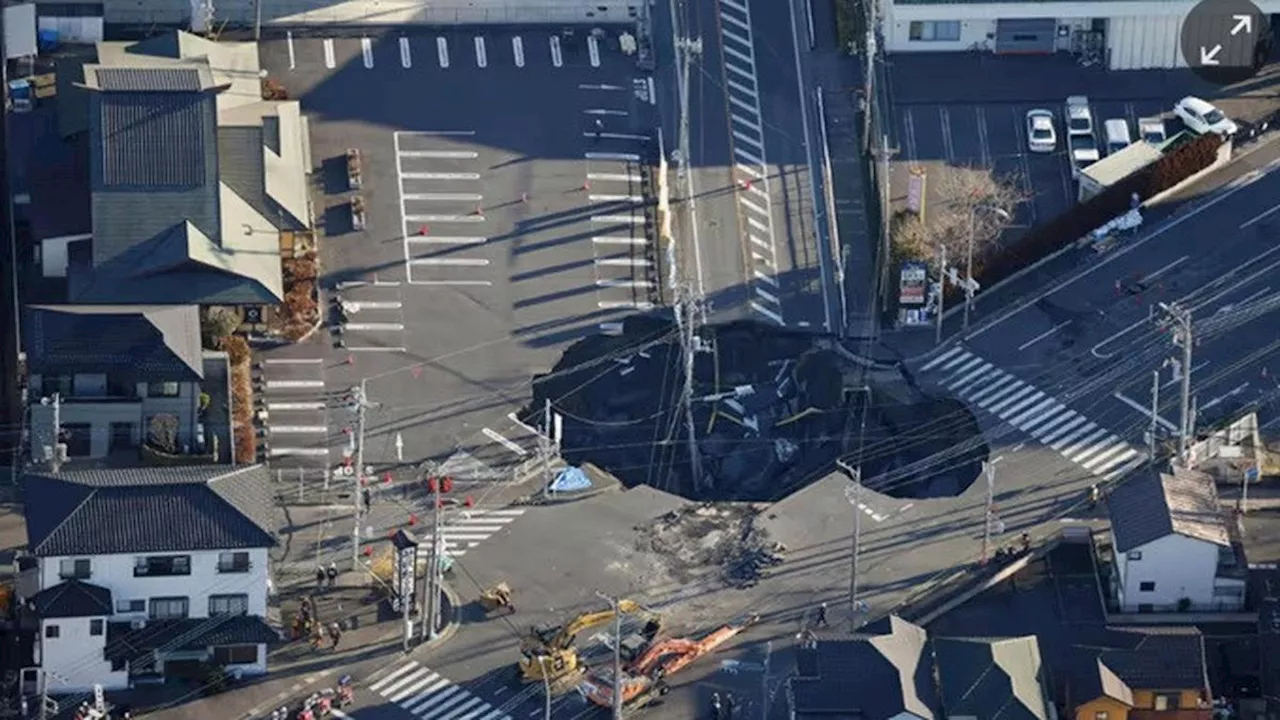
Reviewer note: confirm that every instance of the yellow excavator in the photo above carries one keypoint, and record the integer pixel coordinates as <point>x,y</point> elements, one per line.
<point>547,653</point>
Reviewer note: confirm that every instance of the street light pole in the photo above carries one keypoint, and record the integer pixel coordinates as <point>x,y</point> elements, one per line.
<point>617,654</point>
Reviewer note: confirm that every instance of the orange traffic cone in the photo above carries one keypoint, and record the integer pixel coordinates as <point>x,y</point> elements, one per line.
<point>585,187</point>
<point>351,360</point>
<point>470,501</point>
<point>422,230</point>
<point>479,211</point>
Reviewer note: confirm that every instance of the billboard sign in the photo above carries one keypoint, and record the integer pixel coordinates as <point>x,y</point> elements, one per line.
<point>913,283</point>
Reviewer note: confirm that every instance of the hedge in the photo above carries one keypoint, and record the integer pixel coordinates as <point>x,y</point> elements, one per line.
<point>1049,237</point>
<point>850,24</point>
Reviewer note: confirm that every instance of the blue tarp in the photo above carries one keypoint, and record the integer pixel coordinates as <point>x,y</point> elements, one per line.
<point>570,480</point>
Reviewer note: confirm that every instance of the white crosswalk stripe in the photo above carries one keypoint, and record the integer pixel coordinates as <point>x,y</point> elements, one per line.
<point>1034,412</point>
<point>466,529</point>
<point>424,693</point>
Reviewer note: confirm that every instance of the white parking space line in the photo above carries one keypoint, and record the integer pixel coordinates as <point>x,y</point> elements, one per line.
<point>458,283</point>
<point>620,177</point>
<point>298,452</point>
<point>615,136</point>
<point>376,327</point>
<point>504,441</point>
<point>294,384</point>
<point>616,198</point>
<point>618,219</point>
<point>366,52</point>
<point>615,283</point>
<point>455,262</point>
<point>298,429</point>
<point>329,61</point>
<point>293,58</point>
<point>444,197</point>
<point>593,50</point>
<point>439,154</point>
<point>374,349</point>
<point>600,86</point>
<point>557,55</point>
<point>605,240</point>
<point>605,111</point>
<point>439,176</point>
<point>624,305</point>
<point>294,406</point>
<point>444,218</point>
<point>625,262</point>
<point>294,361</point>
<point>442,51</point>
<point>447,240</point>
<point>482,55</point>
<point>517,50</point>
<point>629,157</point>
<point>406,60</point>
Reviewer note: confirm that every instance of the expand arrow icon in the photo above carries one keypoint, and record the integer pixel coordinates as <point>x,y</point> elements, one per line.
<point>1209,57</point>
<point>1244,23</point>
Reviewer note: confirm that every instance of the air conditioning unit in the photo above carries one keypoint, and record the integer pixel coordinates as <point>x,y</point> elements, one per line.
<point>62,452</point>
<point>138,624</point>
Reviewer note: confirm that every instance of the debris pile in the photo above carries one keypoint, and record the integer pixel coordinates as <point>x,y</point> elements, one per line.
<point>701,538</point>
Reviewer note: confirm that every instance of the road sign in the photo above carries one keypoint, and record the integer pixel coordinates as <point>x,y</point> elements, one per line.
<point>1251,474</point>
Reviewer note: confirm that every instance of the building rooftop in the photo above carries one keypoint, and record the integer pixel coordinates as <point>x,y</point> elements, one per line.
<point>1151,505</point>
<point>125,642</point>
<point>991,678</point>
<point>141,510</point>
<point>160,343</point>
<point>73,599</point>
<point>884,671</point>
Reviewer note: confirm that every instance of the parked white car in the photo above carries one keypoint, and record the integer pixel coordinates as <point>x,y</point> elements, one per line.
<point>1041,135</point>
<point>1084,152</point>
<point>1151,129</point>
<point>1079,118</point>
<point>1202,117</point>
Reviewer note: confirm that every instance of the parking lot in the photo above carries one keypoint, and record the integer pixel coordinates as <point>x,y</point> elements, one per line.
<point>502,177</point>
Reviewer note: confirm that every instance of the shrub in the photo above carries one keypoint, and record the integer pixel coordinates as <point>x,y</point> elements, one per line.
<point>218,322</point>
<point>301,269</point>
<point>300,301</point>
<point>850,24</point>
<point>237,349</point>
<point>162,432</point>
<point>246,443</point>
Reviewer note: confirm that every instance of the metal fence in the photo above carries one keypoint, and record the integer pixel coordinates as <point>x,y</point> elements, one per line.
<point>290,13</point>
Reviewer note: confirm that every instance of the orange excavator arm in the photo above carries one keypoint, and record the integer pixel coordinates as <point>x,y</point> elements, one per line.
<point>646,662</point>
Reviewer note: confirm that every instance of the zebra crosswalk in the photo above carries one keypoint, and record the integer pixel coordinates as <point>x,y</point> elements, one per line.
<point>466,529</point>
<point>1023,406</point>
<point>423,693</point>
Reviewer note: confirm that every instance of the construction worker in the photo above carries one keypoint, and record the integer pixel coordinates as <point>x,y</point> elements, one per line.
<point>332,574</point>
<point>320,576</point>
<point>822,615</point>
<point>717,708</point>
<point>335,634</point>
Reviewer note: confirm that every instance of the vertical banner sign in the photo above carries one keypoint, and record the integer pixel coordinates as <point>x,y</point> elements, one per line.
<point>406,576</point>
<point>916,191</point>
<point>912,284</point>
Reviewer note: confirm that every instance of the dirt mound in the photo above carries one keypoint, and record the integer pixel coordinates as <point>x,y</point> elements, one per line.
<point>698,538</point>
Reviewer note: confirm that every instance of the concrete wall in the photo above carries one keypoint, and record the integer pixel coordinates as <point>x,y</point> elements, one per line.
<point>100,415</point>
<point>74,660</point>
<point>115,572</point>
<point>1180,567</point>
<point>377,12</point>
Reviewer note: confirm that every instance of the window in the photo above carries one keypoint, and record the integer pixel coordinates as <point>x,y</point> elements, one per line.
<point>235,654</point>
<point>1167,702</point>
<point>51,385</point>
<point>228,605</point>
<point>78,438</point>
<point>162,565</point>
<point>162,389</point>
<point>1100,715</point>
<point>89,385</point>
<point>1135,555</point>
<point>51,631</point>
<point>935,30</point>
<point>131,606</point>
<point>117,665</point>
<point>233,562</point>
<point>169,608</point>
<point>1148,586</point>
<point>121,386</point>
<point>74,568</point>
<point>96,626</point>
<point>122,435</point>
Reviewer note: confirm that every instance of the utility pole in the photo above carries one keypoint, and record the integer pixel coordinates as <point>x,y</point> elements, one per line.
<point>764,679</point>
<point>431,610</point>
<point>686,302</point>
<point>942,289</point>
<point>55,460</point>
<point>617,654</point>
<point>869,72</point>
<point>544,447</point>
<point>1179,320</point>
<point>1155,416</point>
<point>990,513</point>
<point>886,212</point>
<point>968,267</point>
<point>360,400</point>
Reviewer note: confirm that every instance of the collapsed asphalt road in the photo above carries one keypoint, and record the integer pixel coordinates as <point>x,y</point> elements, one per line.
<point>772,411</point>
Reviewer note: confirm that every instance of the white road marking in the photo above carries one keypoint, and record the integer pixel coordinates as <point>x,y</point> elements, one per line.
<point>444,197</point>
<point>623,219</point>
<point>1258,217</point>
<point>433,133</point>
<point>1044,335</point>
<point>442,51</point>
<point>294,406</point>
<point>1221,398</point>
<point>593,50</point>
<point>557,57</point>
<point>616,198</point>
<point>460,283</point>
<point>293,58</point>
<point>406,60</point>
<point>449,262</point>
<point>441,154</point>
<point>297,452</point>
<point>366,52</point>
<point>294,361</point>
<point>517,49</point>
<point>602,111</point>
<point>595,86</point>
<point>767,312</point>
<point>375,305</point>
<point>615,136</point>
<point>1152,276</point>
<point>446,240</point>
<point>618,240</point>
<point>329,61</point>
<point>444,218</point>
<point>619,177</point>
<point>439,176</point>
<point>504,441</point>
<point>482,55</point>
<point>375,348</point>
<point>297,429</point>
<point>628,157</point>
<point>625,262</point>
<point>613,283</point>
<point>1146,411</point>
<point>623,305</point>
<point>653,95</point>
<point>376,327</point>
<point>293,384</point>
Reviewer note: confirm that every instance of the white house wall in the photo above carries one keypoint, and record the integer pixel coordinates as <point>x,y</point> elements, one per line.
<point>115,572</point>
<point>1180,567</point>
<point>1138,43</point>
<point>74,660</point>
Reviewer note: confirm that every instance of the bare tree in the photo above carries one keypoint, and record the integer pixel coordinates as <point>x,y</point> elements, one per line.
<point>967,205</point>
